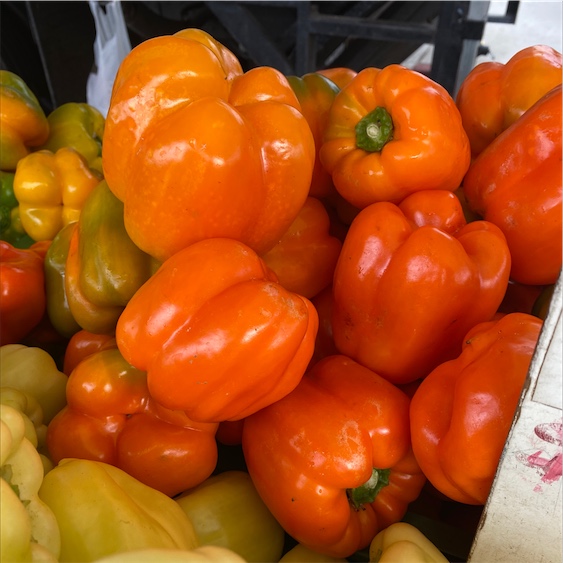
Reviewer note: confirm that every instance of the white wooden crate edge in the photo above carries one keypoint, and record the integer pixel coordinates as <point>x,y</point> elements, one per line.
<point>522,519</point>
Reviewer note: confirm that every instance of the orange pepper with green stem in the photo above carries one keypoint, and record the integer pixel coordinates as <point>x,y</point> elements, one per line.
<point>494,95</point>
<point>332,460</point>
<point>392,132</point>
<point>213,151</point>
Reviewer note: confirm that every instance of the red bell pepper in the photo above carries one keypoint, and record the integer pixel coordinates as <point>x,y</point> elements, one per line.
<point>22,291</point>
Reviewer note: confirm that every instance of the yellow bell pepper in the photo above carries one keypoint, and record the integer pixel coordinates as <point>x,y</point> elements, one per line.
<point>203,554</point>
<point>79,126</point>
<point>33,371</point>
<point>403,543</point>
<point>29,530</point>
<point>23,124</point>
<point>51,189</point>
<point>35,427</point>
<point>226,510</point>
<point>102,510</point>
<point>302,554</point>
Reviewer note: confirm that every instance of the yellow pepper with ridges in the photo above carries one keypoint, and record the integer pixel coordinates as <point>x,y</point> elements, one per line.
<point>202,554</point>
<point>403,543</point>
<point>127,514</point>
<point>29,530</point>
<point>79,126</point>
<point>33,371</point>
<point>23,124</point>
<point>51,188</point>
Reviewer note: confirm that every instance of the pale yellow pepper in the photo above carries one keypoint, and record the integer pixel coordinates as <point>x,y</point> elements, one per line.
<point>29,530</point>
<point>403,543</point>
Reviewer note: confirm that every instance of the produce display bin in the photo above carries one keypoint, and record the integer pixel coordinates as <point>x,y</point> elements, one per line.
<point>522,519</point>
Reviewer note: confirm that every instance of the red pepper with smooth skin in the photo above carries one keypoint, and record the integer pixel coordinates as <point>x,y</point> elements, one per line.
<point>515,183</point>
<point>411,280</point>
<point>22,291</point>
<point>462,412</point>
<point>332,460</point>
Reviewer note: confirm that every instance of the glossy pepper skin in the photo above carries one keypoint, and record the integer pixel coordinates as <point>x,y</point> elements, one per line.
<point>459,446</point>
<point>515,183</point>
<point>51,189</point>
<point>83,344</point>
<point>411,280</point>
<point>33,371</point>
<point>404,543</point>
<point>226,510</point>
<point>128,514</point>
<point>305,257</point>
<point>182,103</point>
<point>333,486</point>
<point>11,229</point>
<point>57,307</point>
<point>218,336</point>
<point>79,126</point>
<point>22,292</point>
<point>111,418</point>
<point>23,124</point>
<point>103,268</point>
<point>494,95</point>
<point>392,132</point>
<point>29,529</point>
<point>316,93</point>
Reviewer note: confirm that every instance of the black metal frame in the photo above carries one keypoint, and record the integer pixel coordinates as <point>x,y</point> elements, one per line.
<point>50,44</point>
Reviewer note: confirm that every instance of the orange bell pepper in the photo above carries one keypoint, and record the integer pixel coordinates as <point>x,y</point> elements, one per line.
<point>516,184</point>
<point>218,337</point>
<point>83,344</point>
<point>316,94</point>
<point>392,132</point>
<point>459,446</point>
<point>22,291</point>
<point>111,417</point>
<point>23,124</point>
<point>196,149</point>
<point>332,460</point>
<point>341,76</point>
<point>305,257</point>
<point>494,95</point>
<point>411,280</point>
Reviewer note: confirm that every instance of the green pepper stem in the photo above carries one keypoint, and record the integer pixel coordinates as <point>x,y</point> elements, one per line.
<point>374,130</point>
<point>366,493</point>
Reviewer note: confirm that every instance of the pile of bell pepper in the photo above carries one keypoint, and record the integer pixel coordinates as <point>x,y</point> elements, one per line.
<point>340,277</point>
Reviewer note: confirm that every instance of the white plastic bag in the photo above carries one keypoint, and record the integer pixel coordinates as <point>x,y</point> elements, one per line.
<point>110,48</point>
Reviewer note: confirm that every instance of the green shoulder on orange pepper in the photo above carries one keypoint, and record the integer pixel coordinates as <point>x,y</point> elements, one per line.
<point>23,124</point>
